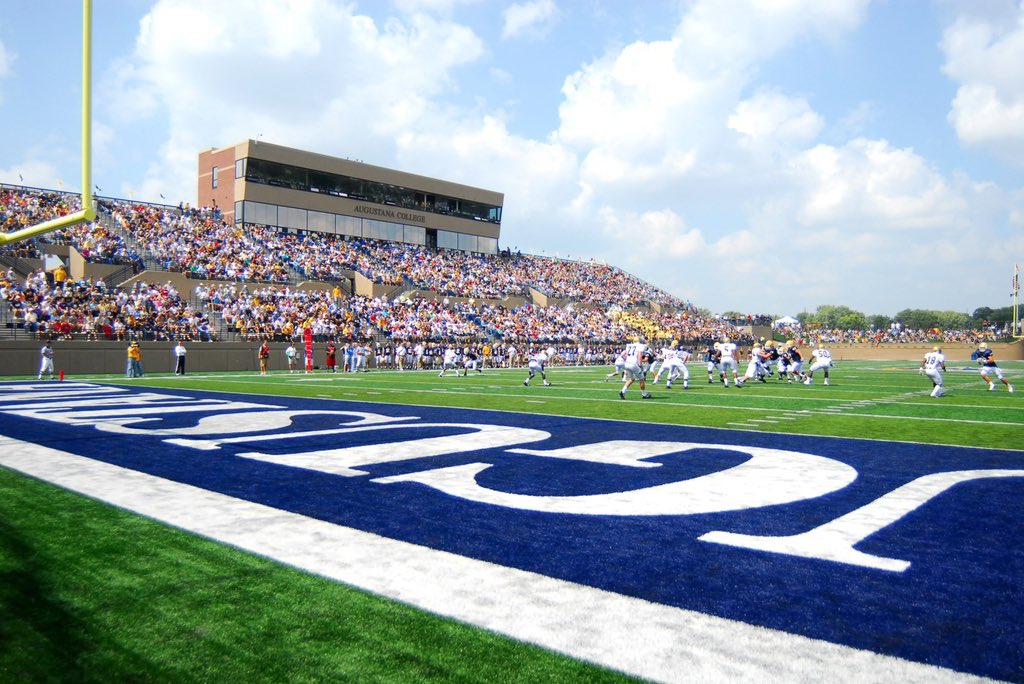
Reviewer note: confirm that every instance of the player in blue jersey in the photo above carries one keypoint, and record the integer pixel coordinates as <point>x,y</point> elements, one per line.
<point>714,360</point>
<point>987,359</point>
<point>794,362</point>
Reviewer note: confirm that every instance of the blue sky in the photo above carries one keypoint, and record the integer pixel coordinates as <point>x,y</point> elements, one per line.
<point>744,154</point>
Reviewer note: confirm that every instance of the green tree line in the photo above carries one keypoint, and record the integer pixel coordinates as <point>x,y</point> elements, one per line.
<point>844,318</point>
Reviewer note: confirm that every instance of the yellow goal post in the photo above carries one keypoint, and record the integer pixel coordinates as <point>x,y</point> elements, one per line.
<point>88,211</point>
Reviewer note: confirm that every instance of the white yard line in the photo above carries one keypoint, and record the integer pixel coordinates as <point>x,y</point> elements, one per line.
<point>644,639</point>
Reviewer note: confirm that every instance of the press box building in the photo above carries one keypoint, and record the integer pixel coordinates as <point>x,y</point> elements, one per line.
<point>260,183</point>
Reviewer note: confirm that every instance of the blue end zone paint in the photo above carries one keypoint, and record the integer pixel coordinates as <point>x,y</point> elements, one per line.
<point>958,606</point>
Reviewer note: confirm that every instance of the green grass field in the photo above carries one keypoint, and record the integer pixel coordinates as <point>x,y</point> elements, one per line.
<point>93,593</point>
<point>885,400</point>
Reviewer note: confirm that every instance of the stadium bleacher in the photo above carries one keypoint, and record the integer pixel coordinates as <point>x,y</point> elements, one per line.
<point>256,271</point>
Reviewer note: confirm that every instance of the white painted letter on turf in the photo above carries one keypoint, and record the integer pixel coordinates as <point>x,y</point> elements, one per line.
<point>343,460</point>
<point>768,478</point>
<point>834,541</point>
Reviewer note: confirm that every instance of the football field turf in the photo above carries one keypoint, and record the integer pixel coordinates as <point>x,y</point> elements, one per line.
<point>95,592</point>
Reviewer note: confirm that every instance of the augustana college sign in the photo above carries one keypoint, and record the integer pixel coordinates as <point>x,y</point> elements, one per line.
<point>392,214</point>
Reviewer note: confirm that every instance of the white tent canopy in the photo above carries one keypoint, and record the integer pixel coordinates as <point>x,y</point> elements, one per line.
<point>785,321</point>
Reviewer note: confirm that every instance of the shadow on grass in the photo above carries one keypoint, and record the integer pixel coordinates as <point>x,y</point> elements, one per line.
<point>40,638</point>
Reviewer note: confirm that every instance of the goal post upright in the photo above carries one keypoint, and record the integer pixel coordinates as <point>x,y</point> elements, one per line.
<point>88,210</point>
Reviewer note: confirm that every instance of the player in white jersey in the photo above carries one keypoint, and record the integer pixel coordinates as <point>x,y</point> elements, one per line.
<point>727,349</point>
<point>659,362</point>
<point>46,360</point>
<point>933,365</point>
<point>450,362</point>
<point>620,364</point>
<point>536,365</point>
<point>675,365</point>
<point>821,359</point>
<point>638,362</point>
<point>756,368</point>
<point>359,358</point>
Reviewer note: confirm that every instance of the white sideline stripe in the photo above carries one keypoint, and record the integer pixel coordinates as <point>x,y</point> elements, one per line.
<point>644,639</point>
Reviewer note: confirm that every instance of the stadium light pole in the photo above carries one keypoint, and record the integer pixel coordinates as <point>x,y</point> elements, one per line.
<point>88,211</point>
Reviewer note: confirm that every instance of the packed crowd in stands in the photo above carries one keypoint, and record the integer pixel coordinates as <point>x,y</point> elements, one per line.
<point>80,309</point>
<point>461,274</point>
<point>202,245</point>
<point>898,335</point>
<point>95,243</point>
<point>22,209</point>
<point>277,313</point>
<point>255,303</point>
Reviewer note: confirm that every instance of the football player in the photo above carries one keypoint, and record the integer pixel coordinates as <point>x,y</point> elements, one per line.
<point>756,369</point>
<point>934,365</point>
<point>794,362</point>
<point>771,357</point>
<point>620,364</point>
<point>821,359</point>
<point>638,361</point>
<point>727,350</point>
<point>714,359</point>
<point>450,362</point>
<point>987,360</point>
<point>471,361</point>
<point>675,366</point>
<point>536,365</point>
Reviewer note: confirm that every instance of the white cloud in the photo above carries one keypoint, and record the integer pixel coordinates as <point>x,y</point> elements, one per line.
<point>745,187</point>
<point>983,55</point>
<point>35,172</point>
<point>535,176</point>
<point>6,60</point>
<point>431,6</point>
<point>770,115</point>
<point>720,39</point>
<point>868,183</point>
<point>856,121</point>
<point>655,116</point>
<point>663,232</point>
<point>328,79</point>
<point>532,18</point>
